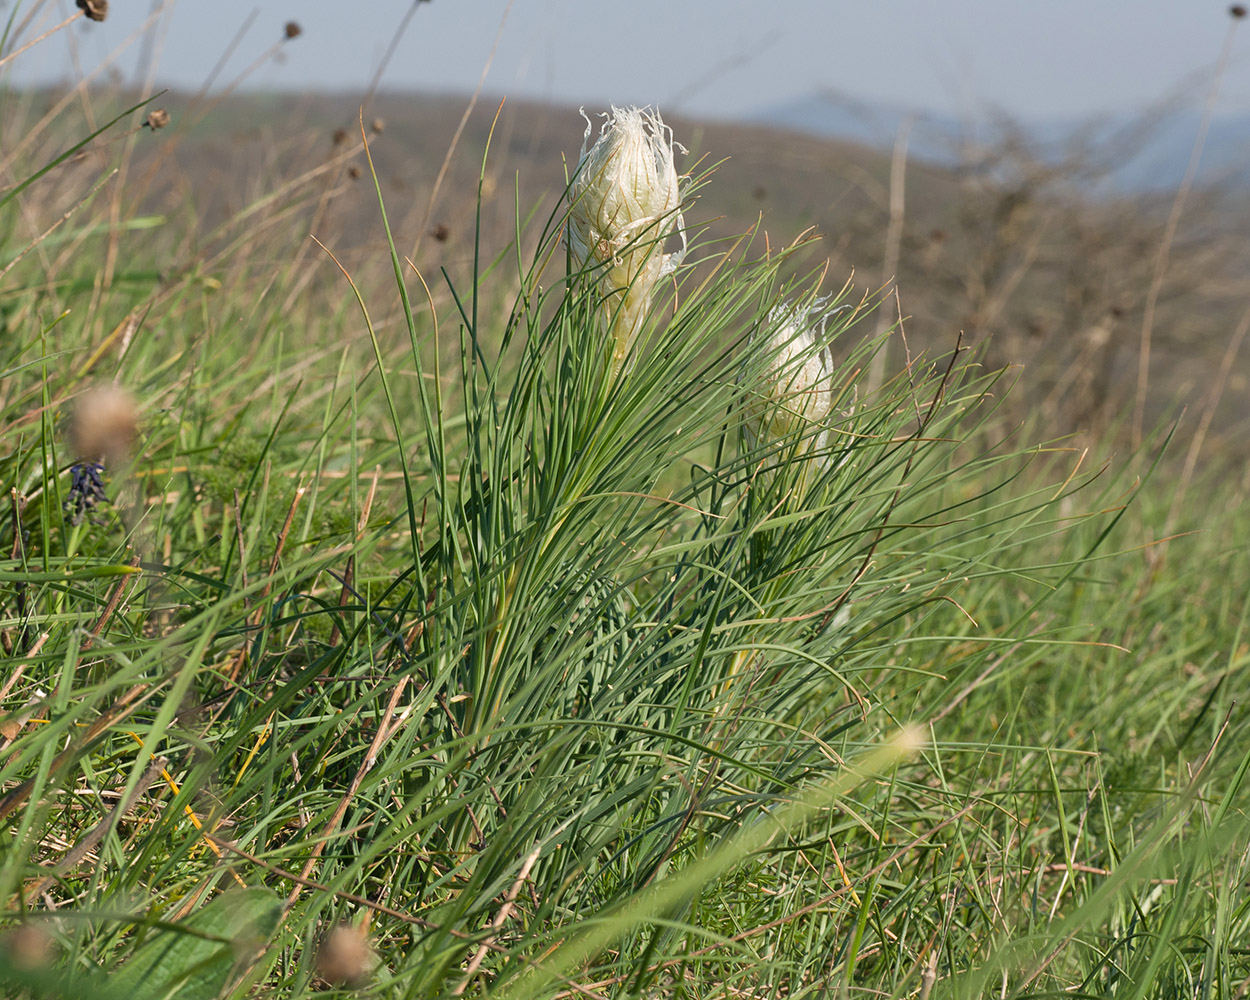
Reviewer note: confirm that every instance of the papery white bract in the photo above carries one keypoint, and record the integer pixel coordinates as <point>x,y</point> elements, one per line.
<point>795,396</point>
<point>797,390</point>
<point>624,202</point>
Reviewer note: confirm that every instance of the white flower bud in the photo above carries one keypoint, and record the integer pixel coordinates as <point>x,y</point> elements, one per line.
<point>795,396</point>
<point>798,389</point>
<point>624,200</point>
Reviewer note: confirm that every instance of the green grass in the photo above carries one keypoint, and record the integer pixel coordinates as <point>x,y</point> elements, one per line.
<point>560,678</point>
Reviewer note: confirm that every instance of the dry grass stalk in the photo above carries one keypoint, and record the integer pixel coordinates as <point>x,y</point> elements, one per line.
<point>1169,235</point>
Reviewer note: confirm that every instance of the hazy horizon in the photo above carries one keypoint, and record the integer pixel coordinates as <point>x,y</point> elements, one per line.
<point>956,57</point>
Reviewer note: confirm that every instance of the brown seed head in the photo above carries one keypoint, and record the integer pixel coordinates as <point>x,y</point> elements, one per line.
<point>157,119</point>
<point>96,10</point>
<point>104,425</point>
<point>346,956</point>
<point>441,232</point>
<point>340,136</point>
<point>378,126</point>
<point>292,30</point>
<point>28,947</point>
<point>353,172</point>
<point>1237,11</point>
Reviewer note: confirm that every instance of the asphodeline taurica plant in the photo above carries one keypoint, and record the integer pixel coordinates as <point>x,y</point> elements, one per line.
<point>624,203</point>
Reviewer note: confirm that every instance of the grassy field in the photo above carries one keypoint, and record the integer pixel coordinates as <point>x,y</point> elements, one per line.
<point>417,647</point>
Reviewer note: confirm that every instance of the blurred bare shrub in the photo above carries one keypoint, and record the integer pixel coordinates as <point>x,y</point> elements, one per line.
<point>1046,260</point>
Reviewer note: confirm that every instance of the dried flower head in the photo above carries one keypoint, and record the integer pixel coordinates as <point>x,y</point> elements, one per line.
<point>1237,11</point>
<point>104,425</point>
<point>346,956</point>
<point>292,30</point>
<point>340,136</point>
<point>158,118</point>
<point>28,947</point>
<point>624,202</point>
<point>377,126</point>
<point>96,10</point>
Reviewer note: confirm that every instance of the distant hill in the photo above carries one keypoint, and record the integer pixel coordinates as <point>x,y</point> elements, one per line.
<point>1033,265</point>
<point>1146,152</point>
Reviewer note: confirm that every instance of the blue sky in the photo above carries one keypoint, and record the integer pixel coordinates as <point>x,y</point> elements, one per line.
<point>727,58</point>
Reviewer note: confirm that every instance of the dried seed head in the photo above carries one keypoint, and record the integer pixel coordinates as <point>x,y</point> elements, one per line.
<point>441,232</point>
<point>353,172</point>
<point>346,956</point>
<point>158,118</point>
<point>1237,11</point>
<point>28,947</point>
<point>104,425</point>
<point>340,136</point>
<point>96,10</point>
<point>378,126</point>
<point>624,199</point>
<point>292,30</point>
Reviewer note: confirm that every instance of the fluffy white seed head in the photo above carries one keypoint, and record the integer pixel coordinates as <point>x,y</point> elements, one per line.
<point>623,200</point>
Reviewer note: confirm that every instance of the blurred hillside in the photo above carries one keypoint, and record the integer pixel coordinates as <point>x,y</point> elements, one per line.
<point>1140,152</point>
<point>1029,258</point>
